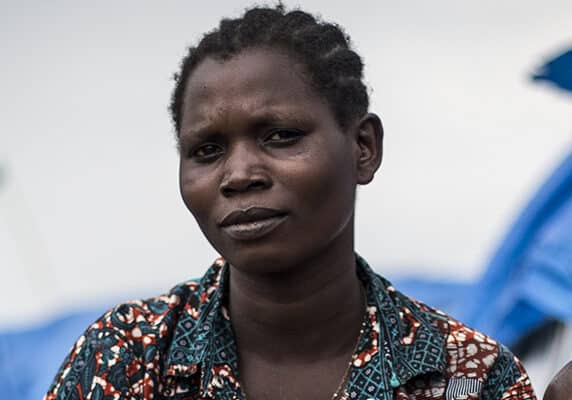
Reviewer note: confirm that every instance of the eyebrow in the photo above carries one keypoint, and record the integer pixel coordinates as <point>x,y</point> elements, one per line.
<point>258,121</point>
<point>185,138</point>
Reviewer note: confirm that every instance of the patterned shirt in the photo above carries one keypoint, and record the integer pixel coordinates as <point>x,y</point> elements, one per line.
<point>180,346</point>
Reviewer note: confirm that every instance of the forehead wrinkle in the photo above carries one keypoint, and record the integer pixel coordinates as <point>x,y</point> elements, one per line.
<point>242,97</point>
<point>260,106</point>
<point>211,107</point>
<point>215,119</point>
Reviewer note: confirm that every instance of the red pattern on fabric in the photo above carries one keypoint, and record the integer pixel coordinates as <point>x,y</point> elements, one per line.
<point>470,355</point>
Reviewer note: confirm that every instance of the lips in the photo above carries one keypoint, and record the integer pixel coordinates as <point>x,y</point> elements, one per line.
<point>252,223</point>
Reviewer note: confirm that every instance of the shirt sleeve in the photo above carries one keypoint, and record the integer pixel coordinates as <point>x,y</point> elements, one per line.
<point>507,379</point>
<point>99,366</point>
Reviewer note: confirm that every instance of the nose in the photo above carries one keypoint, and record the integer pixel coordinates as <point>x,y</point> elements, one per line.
<point>244,172</point>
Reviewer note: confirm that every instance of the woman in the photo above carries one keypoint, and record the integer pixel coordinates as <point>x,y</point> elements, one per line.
<point>274,134</point>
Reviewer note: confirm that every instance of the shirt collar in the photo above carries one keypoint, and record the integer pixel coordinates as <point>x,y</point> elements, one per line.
<point>410,339</point>
<point>403,338</point>
<point>203,338</point>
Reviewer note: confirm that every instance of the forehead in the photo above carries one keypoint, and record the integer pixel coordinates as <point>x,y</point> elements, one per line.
<point>254,80</point>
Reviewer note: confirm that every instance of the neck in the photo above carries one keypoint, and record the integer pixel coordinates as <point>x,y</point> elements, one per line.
<point>297,315</point>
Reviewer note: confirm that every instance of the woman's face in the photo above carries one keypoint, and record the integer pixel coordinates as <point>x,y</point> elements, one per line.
<point>264,166</point>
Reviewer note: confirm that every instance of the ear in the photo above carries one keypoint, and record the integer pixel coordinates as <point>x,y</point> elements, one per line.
<point>369,140</point>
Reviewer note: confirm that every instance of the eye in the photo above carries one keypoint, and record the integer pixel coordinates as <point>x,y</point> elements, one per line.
<point>283,137</point>
<point>206,152</point>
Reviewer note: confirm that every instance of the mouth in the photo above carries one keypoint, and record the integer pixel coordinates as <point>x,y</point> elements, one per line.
<point>252,223</point>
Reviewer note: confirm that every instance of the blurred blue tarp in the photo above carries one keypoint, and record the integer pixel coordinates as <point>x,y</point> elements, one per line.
<point>557,71</point>
<point>527,281</point>
<point>29,359</point>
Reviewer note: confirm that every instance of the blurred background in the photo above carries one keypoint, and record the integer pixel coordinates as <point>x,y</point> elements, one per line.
<point>471,211</point>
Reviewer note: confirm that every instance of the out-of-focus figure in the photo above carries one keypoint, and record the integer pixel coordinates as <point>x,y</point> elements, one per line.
<point>560,388</point>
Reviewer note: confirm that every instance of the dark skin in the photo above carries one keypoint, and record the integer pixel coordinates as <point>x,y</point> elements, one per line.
<point>560,388</point>
<point>255,136</point>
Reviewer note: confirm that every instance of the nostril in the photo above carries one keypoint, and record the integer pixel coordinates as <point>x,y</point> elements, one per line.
<point>235,186</point>
<point>227,191</point>
<point>260,184</point>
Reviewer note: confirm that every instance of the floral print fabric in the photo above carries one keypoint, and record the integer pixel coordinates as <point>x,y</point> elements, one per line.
<point>180,346</point>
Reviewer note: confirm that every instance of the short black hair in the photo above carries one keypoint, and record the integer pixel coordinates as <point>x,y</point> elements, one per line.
<point>334,69</point>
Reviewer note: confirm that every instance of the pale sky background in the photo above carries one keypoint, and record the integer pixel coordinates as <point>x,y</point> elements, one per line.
<point>89,207</point>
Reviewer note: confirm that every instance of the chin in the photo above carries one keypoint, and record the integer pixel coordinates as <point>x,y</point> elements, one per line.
<point>260,261</point>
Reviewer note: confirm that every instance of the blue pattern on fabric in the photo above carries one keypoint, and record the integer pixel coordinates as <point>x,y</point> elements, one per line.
<point>181,346</point>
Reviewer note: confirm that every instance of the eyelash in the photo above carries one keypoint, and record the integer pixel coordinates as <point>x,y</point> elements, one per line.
<point>293,136</point>
<point>284,138</point>
<point>208,157</point>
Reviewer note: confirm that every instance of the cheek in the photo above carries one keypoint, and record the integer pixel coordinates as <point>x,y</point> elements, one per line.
<point>324,179</point>
<point>197,190</point>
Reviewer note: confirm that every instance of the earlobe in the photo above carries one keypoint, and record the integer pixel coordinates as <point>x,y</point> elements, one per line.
<point>370,143</point>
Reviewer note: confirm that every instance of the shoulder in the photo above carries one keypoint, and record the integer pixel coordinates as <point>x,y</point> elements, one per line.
<point>474,361</point>
<point>156,315</point>
<point>479,358</point>
<point>126,348</point>
<point>138,322</point>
